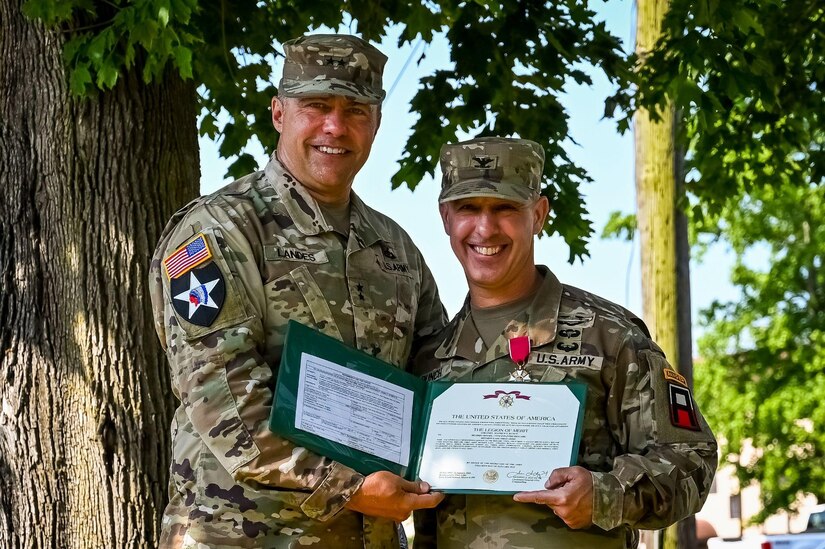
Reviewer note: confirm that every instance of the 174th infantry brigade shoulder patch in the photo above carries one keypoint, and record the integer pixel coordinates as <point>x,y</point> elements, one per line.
<point>682,409</point>
<point>197,293</point>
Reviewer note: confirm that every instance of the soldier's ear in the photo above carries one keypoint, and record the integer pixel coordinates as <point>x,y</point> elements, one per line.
<point>377,121</point>
<point>541,208</point>
<point>444,210</point>
<point>278,113</point>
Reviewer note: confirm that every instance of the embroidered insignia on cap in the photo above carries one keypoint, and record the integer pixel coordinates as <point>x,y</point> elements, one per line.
<point>335,62</point>
<point>682,410</point>
<point>198,298</point>
<point>484,161</point>
<point>193,253</point>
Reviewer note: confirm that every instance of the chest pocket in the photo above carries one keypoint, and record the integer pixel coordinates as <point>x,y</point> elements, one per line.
<point>297,296</point>
<point>548,373</point>
<point>384,307</point>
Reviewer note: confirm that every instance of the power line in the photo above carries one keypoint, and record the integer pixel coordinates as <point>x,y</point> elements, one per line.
<point>404,68</point>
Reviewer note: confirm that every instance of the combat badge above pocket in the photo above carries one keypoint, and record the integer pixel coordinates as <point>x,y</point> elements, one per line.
<point>204,298</point>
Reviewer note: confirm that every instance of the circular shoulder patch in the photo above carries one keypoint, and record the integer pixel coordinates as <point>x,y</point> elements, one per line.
<point>198,295</point>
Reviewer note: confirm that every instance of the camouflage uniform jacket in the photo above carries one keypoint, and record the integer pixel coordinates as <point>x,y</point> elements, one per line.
<point>647,473</point>
<point>233,482</point>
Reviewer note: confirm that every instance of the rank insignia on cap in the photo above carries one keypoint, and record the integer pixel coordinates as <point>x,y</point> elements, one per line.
<point>682,410</point>
<point>198,297</point>
<point>193,253</point>
<point>483,161</point>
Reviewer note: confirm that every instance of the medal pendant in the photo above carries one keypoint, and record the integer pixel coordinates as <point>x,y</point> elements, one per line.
<point>519,374</point>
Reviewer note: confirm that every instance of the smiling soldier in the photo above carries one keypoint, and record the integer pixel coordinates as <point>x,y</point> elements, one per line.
<point>646,458</point>
<point>291,242</point>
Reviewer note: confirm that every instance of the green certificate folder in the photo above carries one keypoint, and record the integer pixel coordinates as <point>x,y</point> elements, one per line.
<point>460,437</point>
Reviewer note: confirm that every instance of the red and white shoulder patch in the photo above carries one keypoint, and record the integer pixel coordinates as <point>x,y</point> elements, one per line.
<point>682,407</point>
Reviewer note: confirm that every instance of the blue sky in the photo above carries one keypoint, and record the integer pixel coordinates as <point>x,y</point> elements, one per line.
<point>612,270</point>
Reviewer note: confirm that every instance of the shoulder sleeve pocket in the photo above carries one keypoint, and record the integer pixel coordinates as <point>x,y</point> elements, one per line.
<point>204,295</point>
<point>677,417</point>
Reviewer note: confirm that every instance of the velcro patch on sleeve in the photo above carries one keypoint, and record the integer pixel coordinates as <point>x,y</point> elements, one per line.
<point>192,253</point>
<point>199,297</point>
<point>682,409</point>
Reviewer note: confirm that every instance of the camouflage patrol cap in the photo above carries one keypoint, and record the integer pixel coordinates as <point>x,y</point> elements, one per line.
<point>492,167</point>
<point>332,64</point>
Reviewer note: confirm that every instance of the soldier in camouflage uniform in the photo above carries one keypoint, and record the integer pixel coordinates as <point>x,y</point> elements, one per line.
<point>647,457</point>
<point>288,243</point>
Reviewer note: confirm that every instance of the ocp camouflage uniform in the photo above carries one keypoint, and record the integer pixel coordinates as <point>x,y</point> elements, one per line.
<point>647,471</point>
<point>233,482</point>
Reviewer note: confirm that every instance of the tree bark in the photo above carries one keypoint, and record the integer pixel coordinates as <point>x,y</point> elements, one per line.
<point>665,253</point>
<point>85,400</point>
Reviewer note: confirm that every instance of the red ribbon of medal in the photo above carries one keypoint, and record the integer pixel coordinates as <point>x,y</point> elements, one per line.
<point>519,349</point>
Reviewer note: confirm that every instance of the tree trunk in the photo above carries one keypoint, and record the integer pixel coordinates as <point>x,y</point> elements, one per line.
<point>663,229</point>
<point>85,400</point>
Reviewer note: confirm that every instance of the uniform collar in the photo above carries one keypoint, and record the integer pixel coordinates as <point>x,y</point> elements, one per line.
<point>461,339</point>
<point>306,214</point>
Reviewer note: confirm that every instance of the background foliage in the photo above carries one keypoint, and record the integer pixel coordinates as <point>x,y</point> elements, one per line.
<point>747,77</point>
<point>763,370</point>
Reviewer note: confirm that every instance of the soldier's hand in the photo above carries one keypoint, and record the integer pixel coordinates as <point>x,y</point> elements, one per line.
<point>569,493</point>
<point>384,494</point>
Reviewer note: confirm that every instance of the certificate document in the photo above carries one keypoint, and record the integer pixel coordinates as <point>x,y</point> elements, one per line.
<point>459,437</point>
<point>342,405</point>
<point>504,437</point>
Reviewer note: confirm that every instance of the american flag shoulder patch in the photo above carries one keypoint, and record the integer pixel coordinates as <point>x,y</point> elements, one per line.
<point>191,254</point>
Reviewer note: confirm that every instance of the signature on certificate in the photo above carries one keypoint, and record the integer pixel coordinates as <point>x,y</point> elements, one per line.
<point>527,476</point>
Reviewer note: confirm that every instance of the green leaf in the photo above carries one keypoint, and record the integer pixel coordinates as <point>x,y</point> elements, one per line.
<point>98,46</point>
<point>163,12</point>
<point>144,32</point>
<point>746,20</point>
<point>208,126</point>
<point>73,47</point>
<point>183,59</point>
<point>107,76</point>
<point>163,16</point>
<point>79,79</point>
<point>620,226</point>
<point>51,12</point>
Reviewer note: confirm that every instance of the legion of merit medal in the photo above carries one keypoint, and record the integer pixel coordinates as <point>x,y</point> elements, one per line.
<point>519,351</point>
